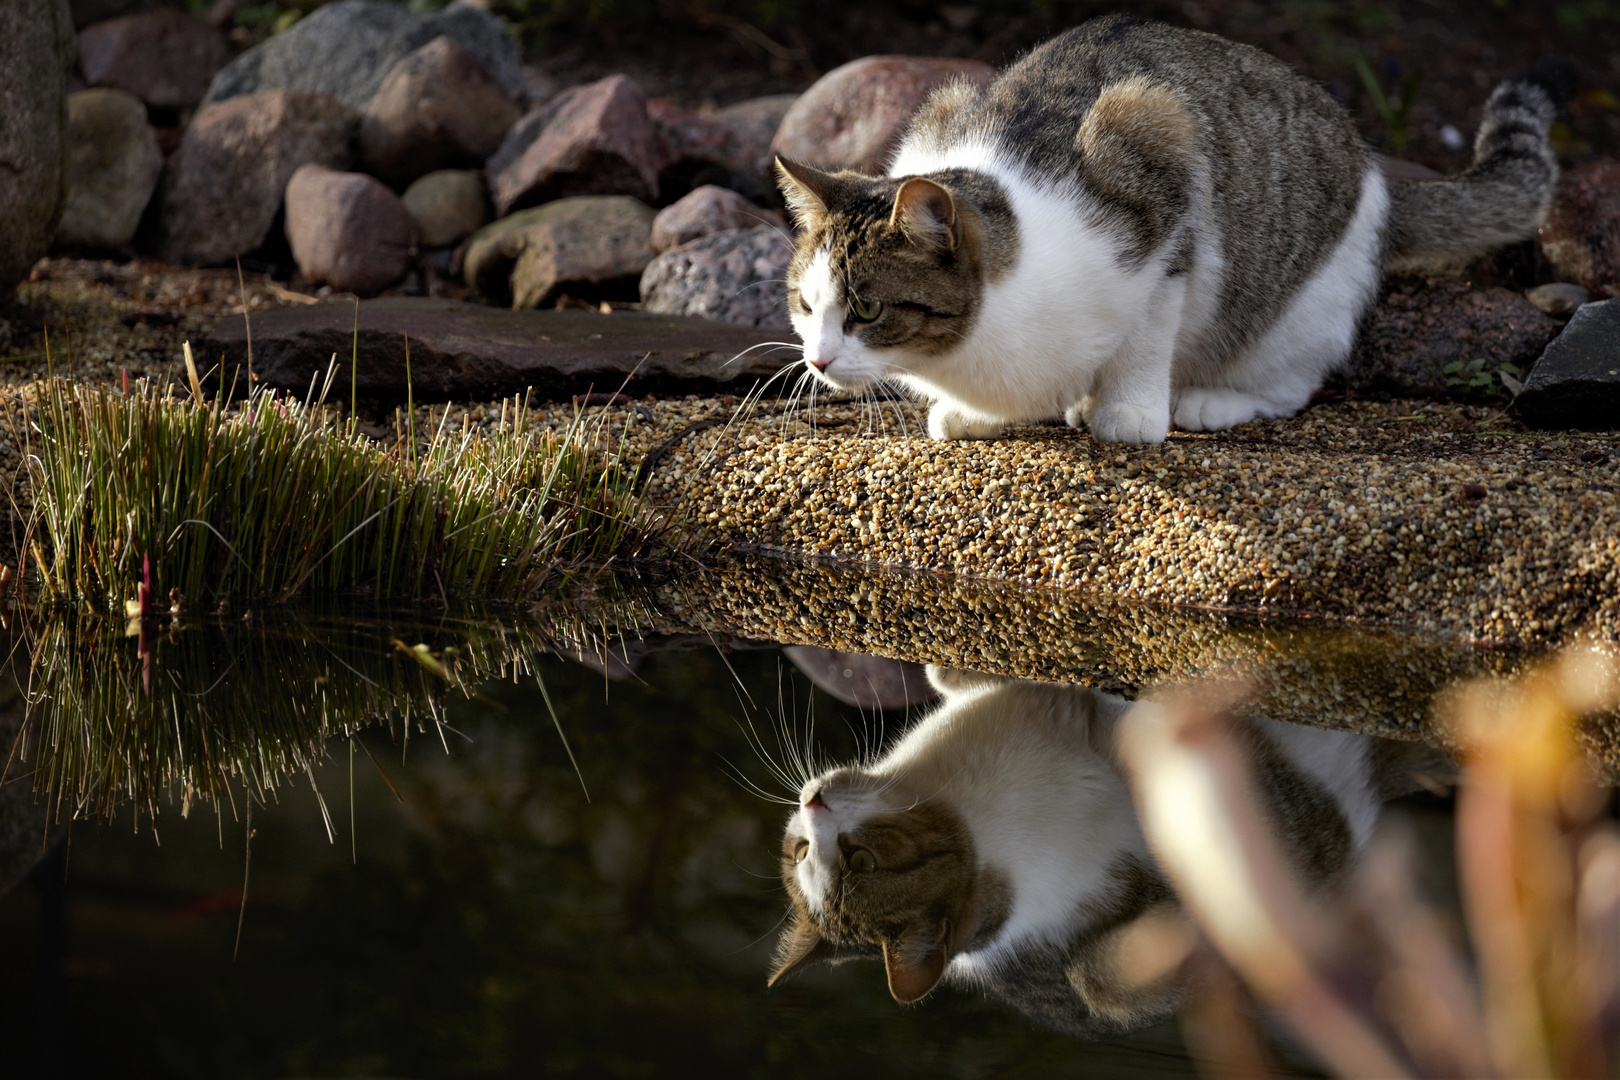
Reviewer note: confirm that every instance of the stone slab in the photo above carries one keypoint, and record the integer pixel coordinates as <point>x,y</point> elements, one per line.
<point>1576,383</point>
<point>467,350</point>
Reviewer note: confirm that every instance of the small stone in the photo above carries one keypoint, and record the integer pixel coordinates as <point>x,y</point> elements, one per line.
<point>1574,384</point>
<point>346,49</point>
<point>591,244</point>
<point>735,276</point>
<point>164,57</point>
<point>1559,299</point>
<point>1581,235</point>
<point>113,166</point>
<point>870,682</point>
<point>347,230</point>
<point>594,139</point>
<point>447,206</point>
<point>853,116</point>
<point>437,108</point>
<point>36,55</point>
<point>224,184</point>
<point>707,210</point>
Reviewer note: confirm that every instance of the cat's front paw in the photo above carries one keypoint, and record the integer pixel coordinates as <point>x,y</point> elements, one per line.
<point>1129,423</point>
<point>946,424</point>
<point>1214,408</point>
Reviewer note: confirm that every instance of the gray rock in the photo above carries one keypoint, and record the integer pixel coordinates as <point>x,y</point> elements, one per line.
<point>1420,325</point>
<point>590,244</point>
<point>707,210</point>
<point>36,56</point>
<point>347,230</point>
<point>853,116</point>
<point>871,682</point>
<point>447,206</point>
<point>113,166</point>
<point>224,184</point>
<point>735,276</point>
<point>594,139</point>
<point>460,349</point>
<point>1576,383</point>
<point>347,48</point>
<point>438,108</point>
<point>1559,299</point>
<point>164,57</point>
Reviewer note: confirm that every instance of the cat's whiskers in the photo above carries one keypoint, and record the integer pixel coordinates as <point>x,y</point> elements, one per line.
<point>764,345</point>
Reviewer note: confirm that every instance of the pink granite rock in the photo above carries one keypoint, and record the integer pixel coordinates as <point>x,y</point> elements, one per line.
<point>347,230</point>
<point>853,116</point>
<point>734,141</point>
<point>438,108</point>
<point>223,186</point>
<point>1581,236</point>
<point>164,57</point>
<point>707,210</point>
<point>736,276</point>
<point>594,139</point>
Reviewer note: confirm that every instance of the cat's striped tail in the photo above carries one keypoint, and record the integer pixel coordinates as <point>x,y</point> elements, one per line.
<point>1500,198</point>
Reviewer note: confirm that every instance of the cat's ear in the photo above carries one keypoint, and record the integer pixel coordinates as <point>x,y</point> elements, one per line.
<point>926,213</point>
<point>800,944</point>
<point>916,960</point>
<point>805,189</point>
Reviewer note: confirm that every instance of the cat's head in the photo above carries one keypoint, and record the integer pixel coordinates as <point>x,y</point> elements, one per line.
<point>874,869</point>
<point>888,276</point>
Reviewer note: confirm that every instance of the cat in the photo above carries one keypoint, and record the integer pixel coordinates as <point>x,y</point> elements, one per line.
<point>996,846</point>
<point>1136,225</point>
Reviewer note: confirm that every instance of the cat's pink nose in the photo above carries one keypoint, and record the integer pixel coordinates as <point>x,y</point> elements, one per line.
<point>820,363</point>
<point>814,801</point>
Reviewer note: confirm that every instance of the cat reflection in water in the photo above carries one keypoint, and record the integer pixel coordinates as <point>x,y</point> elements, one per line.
<point>996,846</point>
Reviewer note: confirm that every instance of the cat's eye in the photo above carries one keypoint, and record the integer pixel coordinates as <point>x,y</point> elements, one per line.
<point>862,861</point>
<point>800,850</point>
<point>865,310</point>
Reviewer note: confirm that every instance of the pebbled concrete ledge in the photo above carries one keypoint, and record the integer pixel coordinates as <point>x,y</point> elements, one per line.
<point>1451,521</point>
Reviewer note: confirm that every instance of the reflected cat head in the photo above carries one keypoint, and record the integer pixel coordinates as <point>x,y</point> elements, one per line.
<point>994,844</point>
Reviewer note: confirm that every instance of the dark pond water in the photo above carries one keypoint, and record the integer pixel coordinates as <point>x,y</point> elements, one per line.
<point>431,892</point>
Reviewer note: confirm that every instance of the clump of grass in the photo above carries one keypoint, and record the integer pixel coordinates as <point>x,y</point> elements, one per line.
<point>270,499</point>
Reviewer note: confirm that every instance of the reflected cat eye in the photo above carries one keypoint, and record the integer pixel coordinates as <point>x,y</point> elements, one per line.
<point>865,310</point>
<point>862,861</point>
<point>800,850</point>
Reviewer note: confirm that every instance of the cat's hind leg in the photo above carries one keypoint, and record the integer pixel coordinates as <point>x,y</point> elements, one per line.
<point>1216,408</point>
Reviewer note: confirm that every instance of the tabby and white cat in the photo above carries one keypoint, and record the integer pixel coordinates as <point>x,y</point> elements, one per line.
<point>1135,225</point>
<point>996,846</point>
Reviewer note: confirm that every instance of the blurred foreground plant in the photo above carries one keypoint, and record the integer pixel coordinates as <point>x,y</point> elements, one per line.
<point>1370,981</point>
<point>269,499</point>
